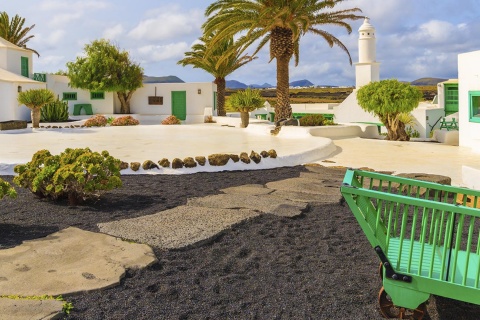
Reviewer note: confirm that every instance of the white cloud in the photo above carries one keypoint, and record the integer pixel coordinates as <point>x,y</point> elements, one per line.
<point>113,32</point>
<point>168,25</point>
<point>56,5</point>
<point>164,52</point>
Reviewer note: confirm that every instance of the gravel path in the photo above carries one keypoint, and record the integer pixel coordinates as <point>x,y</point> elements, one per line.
<point>316,266</point>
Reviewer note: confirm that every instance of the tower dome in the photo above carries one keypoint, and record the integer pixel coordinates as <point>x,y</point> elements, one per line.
<point>366,42</point>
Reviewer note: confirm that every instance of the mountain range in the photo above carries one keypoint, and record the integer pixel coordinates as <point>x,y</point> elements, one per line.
<point>234,84</point>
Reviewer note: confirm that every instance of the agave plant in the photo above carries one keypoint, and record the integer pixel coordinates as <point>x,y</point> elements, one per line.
<point>246,101</point>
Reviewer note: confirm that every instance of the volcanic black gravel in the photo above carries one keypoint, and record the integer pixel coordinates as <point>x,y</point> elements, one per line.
<point>317,266</point>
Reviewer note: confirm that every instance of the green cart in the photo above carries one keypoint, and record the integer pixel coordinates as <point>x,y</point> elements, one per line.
<point>425,234</point>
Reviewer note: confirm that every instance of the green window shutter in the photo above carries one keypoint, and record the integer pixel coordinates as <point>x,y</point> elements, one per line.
<point>474,105</point>
<point>24,67</point>
<point>97,95</point>
<point>451,98</point>
<point>69,96</point>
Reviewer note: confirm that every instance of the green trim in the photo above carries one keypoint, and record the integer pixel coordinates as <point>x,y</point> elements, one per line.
<point>97,95</point>
<point>69,96</point>
<point>474,106</point>
<point>24,67</point>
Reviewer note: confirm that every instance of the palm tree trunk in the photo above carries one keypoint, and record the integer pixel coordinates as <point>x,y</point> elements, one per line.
<point>282,48</point>
<point>245,117</point>
<point>283,110</point>
<point>221,85</point>
<point>35,114</point>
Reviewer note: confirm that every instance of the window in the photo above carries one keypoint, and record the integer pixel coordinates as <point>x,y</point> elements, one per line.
<point>24,67</point>
<point>97,95</point>
<point>474,106</point>
<point>69,96</point>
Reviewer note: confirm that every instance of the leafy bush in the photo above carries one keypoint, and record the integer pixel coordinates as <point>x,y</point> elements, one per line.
<point>312,120</point>
<point>171,120</point>
<point>76,174</point>
<point>56,111</point>
<point>110,120</point>
<point>96,121</point>
<point>125,121</point>
<point>6,190</point>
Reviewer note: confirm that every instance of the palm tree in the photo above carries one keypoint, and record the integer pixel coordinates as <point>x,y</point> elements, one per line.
<point>220,61</point>
<point>35,99</point>
<point>14,32</point>
<point>280,23</point>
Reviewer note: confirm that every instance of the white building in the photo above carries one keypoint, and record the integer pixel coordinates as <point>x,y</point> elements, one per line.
<point>367,69</point>
<point>15,72</point>
<point>469,99</point>
<point>190,102</point>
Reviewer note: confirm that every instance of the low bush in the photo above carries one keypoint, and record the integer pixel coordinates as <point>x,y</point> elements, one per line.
<point>96,121</point>
<point>56,111</point>
<point>6,190</point>
<point>171,120</point>
<point>209,119</point>
<point>125,121</point>
<point>76,174</point>
<point>312,120</point>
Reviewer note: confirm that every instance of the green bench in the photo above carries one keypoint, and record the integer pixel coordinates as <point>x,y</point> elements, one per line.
<point>378,124</point>
<point>449,125</point>
<point>77,108</point>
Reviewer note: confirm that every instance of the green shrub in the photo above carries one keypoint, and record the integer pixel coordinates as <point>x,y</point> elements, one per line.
<point>125,121</point>
<point>110,120</point>
<point>171,120</point>
<point>76,174</point>
<point>96,121</point>
<point>6,190</point>
<point>312,120</point>
<point>56,111</point>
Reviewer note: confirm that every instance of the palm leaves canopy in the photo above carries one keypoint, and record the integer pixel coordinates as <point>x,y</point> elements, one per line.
<point>14,32</point>
<point>281,23</point>
<point>219,60</point>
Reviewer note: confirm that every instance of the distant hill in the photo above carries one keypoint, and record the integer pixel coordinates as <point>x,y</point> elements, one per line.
<point>301,83</point>
<point>261,86</point>
<point>166,79</point>
<point>427,81</point>
<point>234,84</point>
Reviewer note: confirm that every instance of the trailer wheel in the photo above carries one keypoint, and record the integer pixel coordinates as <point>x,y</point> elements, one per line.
<point>391,311</point>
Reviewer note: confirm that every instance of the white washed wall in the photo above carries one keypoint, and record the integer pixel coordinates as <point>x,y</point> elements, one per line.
<point>468,80</point>
<point>196,103</point>
<point>60,84</point>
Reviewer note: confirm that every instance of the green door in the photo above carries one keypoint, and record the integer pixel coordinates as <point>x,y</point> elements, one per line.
<point>179,104</point>
<point>451,98</point>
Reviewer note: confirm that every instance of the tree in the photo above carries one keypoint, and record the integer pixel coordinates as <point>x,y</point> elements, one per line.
<point>281,23</point>
<point>35,99</point>
<point>220,61</point>
<point>14,32</point>
<point>246,101</point>
<point>105,68</point>
<point>388,100</point>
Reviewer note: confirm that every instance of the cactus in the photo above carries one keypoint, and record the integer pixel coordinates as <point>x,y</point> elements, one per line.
<point>56,111</point>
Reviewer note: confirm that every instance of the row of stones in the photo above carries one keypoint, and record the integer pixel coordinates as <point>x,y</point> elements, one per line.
<point>217,159</point>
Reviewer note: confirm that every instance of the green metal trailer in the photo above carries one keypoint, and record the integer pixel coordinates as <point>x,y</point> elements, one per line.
<point>425,234</point>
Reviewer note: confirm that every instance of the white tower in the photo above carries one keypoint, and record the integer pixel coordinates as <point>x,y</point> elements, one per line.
<point>367,69</point>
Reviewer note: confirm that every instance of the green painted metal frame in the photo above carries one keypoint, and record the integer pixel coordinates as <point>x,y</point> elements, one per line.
<point>424,232</point>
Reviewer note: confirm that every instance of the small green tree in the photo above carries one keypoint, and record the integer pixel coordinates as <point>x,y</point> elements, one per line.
<point>246,101</point>
<point>388,100</point>
<point>6,190</point>
<point>105,68</point>
<point>35,99</point>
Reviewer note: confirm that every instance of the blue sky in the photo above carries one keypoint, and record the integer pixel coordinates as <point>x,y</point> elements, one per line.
<point>415,38</point>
